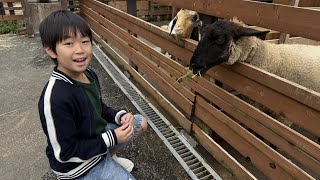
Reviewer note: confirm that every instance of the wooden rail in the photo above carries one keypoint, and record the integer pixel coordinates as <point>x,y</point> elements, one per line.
<point>9,13</point>
<point>146,10</point>
<point>192,100</point>
<point>272,16</point>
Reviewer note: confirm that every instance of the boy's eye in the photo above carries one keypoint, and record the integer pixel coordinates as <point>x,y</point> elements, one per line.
<point>86,41</point>
<point>68,43</point>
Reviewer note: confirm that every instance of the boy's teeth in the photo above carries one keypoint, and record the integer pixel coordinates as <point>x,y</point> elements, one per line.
<point>78,60</point>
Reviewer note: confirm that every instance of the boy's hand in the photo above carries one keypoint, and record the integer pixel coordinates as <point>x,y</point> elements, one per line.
<point>124,132</point>
<point>127,118</point>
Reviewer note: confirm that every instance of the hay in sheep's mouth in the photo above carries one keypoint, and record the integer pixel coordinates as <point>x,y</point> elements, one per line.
<point>187,74</point>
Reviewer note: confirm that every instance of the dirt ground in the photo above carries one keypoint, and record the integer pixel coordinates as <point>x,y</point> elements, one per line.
<point>24,69</point>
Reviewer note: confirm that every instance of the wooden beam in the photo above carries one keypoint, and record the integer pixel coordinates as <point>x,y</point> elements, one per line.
<point>221,155</point>
<point>272,16</point>
<point>248,145</point>
<point>297,146</point>
<point>6,1</point>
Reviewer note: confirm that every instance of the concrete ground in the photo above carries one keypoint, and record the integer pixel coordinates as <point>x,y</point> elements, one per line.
<point>24,69</point>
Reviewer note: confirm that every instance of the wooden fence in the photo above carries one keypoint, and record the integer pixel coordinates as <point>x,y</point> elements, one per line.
<point>70,5</point>
<point>11,10</point>
<point>194,102</point>
<point>147,10</point>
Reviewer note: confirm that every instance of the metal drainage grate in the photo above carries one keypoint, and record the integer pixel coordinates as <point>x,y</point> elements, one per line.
<point>190,160</point>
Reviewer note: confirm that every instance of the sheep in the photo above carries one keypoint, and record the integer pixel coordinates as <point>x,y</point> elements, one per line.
<point>231,41</point>
<point>186,24</point>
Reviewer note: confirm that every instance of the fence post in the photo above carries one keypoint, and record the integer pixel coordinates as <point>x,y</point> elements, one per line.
<point>64,4</point>
<point>1,9</point>
<point>10,4</point>
<point>27,17</point>
<point>71,3</point>
<point>132,9</point>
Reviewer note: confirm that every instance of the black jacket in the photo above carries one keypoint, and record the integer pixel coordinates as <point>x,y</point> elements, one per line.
<point>66,116</point>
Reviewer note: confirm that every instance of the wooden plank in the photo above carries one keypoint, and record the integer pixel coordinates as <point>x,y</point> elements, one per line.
<point>294,111</point>
<point>122,5</point>
<point>163,102</point>
<point>297,92</point>
<point>6,1</point>
<point>139,60</point>
<point>297,146</point>
<point>272,16</point>
<point>12,8</point>
<point>249,146</point>
<point>73,6</point>
<point>170,74</point>
<point>302,3</point>
<point>284,36</point>
<point>144,29</point>
<point>297,40</point>
<point>12,17</point>
<point>221,155</point>
<point>154,13</point>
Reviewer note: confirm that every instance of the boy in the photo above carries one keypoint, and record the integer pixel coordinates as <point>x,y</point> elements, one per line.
<point>83,134</point>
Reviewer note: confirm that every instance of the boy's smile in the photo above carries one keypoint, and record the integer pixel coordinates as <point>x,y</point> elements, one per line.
<point>73,54</point>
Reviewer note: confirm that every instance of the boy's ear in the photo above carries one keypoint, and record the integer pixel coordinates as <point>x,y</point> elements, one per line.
<point>50,53</point>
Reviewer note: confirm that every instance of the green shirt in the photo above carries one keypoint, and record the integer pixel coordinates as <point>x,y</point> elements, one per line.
<point>93,93</point>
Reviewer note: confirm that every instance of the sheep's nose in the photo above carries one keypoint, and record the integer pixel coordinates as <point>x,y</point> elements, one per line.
<point>193,65</point>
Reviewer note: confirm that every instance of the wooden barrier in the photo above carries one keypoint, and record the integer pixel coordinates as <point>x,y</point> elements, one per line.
<point>283,152</point>
<point>72,5</point>
<point>147,10</point>
<point>11,10</point>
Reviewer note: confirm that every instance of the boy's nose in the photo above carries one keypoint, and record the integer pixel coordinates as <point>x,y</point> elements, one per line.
<point>79,48</point>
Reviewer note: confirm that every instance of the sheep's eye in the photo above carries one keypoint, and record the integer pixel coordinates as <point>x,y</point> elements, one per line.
<point>220,40</point>
<point>194,17</point>
<point>213,36</point>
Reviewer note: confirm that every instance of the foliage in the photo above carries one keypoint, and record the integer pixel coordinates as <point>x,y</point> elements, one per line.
<point>10,27</point>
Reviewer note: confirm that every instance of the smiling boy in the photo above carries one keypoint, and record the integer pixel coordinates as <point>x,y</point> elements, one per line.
<point>83,134</point>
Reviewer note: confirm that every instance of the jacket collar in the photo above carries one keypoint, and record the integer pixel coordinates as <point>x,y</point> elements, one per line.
<point>57,74</point>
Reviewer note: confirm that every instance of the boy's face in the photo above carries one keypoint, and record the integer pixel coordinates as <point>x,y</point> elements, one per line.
<point>73,54</point>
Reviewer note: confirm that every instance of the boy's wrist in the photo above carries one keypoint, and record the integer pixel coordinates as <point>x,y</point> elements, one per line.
<point>110,138</point>
<point>119,116</point>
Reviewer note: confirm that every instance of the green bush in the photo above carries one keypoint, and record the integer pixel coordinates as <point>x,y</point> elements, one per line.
<point>10,27</point>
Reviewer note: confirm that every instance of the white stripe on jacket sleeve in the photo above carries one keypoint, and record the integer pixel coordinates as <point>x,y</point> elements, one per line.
<point>51,126</point>
<point>108,138</point>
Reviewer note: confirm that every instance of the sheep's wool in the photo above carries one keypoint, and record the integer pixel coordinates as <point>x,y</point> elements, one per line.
<point>295,62</point>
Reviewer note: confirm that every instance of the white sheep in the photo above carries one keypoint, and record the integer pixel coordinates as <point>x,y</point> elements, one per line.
<point>231,41</point>
<point>186,24</point>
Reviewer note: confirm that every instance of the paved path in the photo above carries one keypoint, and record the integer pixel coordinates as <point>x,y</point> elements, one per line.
<point>23,72</point>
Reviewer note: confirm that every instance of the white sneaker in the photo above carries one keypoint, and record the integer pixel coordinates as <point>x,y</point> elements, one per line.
<point>126,163</point>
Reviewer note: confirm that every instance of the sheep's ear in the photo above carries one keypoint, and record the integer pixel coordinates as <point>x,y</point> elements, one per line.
<point>243,31</point>
<point>173,23</point>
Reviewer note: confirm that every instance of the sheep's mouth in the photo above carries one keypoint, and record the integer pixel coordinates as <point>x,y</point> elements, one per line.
<point>199,71</point>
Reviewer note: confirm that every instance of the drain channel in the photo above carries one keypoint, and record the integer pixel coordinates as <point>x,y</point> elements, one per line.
<point>190,160</point>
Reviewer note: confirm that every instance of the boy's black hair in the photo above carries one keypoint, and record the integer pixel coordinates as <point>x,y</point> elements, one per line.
<point>58,25</point>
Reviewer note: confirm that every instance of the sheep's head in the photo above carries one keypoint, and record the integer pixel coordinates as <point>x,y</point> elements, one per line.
<point>218,43</point>
<point>184,23</point>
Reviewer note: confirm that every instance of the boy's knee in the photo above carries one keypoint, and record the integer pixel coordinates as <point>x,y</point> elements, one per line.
<point>144,124</point>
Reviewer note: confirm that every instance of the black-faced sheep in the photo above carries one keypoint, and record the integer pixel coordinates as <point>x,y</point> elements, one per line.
<point>231,41</point>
